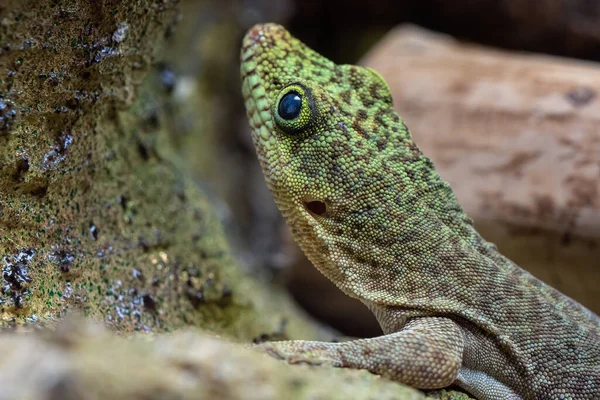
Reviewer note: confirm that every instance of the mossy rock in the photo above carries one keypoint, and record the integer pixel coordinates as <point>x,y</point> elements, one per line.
<point>93,215</point>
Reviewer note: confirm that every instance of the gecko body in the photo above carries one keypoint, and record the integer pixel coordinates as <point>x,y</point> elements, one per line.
<point>373,215</point>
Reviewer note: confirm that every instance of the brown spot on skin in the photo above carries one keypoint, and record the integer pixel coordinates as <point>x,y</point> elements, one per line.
<point>414,149</point>
<point>374,89</point>
<point>375,273</point>
<point>346,96</point>
<point>379,119</point>
<point>366,99</point>
<point>318,65</point>
<point>355,80</point>
<point>359,129</point>
<point>580,96</point>
<point>362,115</point>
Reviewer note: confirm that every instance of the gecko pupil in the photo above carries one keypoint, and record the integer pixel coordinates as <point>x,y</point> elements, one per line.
<point>290,106</point>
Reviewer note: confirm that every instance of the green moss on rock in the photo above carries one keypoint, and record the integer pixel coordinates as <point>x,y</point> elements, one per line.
<point>93,216</point>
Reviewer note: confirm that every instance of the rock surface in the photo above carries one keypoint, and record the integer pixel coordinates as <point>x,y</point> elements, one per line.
<point>94,215</point>
<point>81,361</point>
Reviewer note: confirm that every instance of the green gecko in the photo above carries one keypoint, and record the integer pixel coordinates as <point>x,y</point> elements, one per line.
<point>372,214</point>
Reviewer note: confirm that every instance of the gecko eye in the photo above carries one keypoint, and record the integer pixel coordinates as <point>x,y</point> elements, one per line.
<point>290,106</point>
<point>294,109</point>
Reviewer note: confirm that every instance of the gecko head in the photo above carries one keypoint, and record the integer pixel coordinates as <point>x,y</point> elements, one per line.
<point>322,133</point>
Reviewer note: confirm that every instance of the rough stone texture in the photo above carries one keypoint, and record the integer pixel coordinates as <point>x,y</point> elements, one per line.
<point>83,362</point>
<point>93,213</point>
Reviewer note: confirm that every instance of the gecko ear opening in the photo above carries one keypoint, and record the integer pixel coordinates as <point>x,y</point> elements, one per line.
<point>316,207</point>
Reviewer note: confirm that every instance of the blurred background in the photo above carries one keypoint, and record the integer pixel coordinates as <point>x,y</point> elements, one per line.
<point>515,132</point>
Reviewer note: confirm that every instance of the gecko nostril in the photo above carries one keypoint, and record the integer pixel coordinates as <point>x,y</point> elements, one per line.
<point>254,34</point>
<point>316,207</point>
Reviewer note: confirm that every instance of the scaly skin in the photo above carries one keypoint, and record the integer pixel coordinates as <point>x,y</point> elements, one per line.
<point>373,215</point>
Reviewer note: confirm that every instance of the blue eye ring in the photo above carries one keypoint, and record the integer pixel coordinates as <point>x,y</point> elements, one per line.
<point>290,106</point>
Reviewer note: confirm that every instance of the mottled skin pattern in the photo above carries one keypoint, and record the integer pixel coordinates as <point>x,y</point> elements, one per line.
<point>373,215</point>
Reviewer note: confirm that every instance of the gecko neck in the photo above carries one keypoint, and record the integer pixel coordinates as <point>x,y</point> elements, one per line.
<point>436,195</point>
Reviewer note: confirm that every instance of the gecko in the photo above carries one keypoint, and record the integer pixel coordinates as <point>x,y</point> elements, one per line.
<point>372,214</point>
